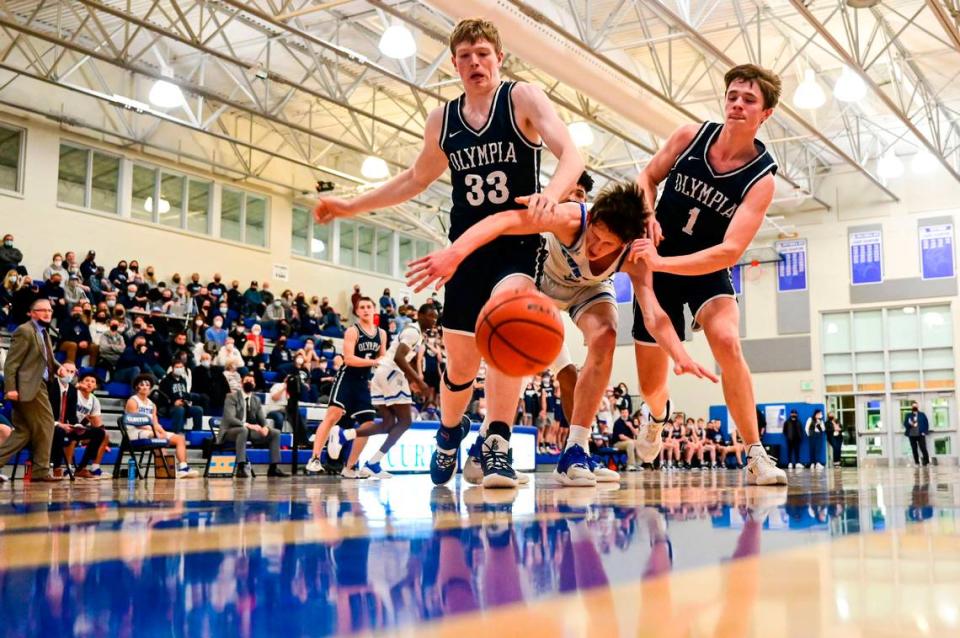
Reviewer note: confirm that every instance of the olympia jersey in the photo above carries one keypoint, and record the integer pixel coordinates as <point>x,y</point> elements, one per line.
<point>367,347</point>
<point>489,166</point>
<point>698,203</point>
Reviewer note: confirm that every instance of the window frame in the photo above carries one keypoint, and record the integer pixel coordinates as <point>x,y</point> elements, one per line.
<point>21,160</point>
<point>187,179</point>
<point>245,196</point>
<point>88,178</point>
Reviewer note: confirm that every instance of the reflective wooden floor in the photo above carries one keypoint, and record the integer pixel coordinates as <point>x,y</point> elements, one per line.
<point>840,553</point>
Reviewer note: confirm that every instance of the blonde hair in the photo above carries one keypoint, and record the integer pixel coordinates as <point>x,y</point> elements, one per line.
<point>768,81</point>
<point>472,30</point>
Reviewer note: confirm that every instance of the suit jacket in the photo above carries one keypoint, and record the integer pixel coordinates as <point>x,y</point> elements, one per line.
<point>235,412</point>
<point>53,391</point>
<point>25,361</point>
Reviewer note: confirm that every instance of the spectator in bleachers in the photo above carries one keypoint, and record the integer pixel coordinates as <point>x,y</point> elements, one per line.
<point>276,405</point>
<point>150,279</point>
<point>10,257</point>
<point>300,369</point>
<point>322,378</point>
<point>253,363</point>
<point>74,292</point>
<point>256,337</point>
<point>99,327</point>
<point>134,268</point>
<point>194,285</point>
<point>310,355</point>
<point>355,299</point>
<point>129,299</point>
<point>281,359</point>
<point>136,361</point>
<point>52,289</point>
<point>75,338</point>
<point>216,287</point>
<point>118,276</point>
<point>209,382</point>
<point>11,281</point>
<point>177,402</point>
<point>239,334</point>
<point>67,429</point>
<point>140,403</point>
<point>252,301</point>
<point>99,286</point>
<point>274,313</point>
<point>235,297</point>
<point>229,354</point>
<point>197,330</point>
<point>624,439</point>
<point>56,265</point>
<point>386,301</point>
<point>88,267</point>
<point>266,294</point>
<point>180,349</point>
<point>216,332</point>
<point>232,377</point>
<point>309,324</point>
<point>243,421</point>
<point>111,346</point>
<point>23,298</point>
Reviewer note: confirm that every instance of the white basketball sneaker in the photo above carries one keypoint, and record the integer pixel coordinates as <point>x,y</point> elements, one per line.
<point>762,470</point>
<point>649,442</point>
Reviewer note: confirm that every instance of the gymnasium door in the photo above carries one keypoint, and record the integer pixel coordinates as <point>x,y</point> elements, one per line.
<point>873,431</point>
<point>940,408</point>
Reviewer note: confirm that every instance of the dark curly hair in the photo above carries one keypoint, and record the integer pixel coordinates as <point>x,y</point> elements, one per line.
<point>620,208</point>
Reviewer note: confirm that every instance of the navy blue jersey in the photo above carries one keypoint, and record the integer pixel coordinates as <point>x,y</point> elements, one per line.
<point>367,347</point>
<point>698,203</point>
<point>551,398</point>
<point>490,166</point>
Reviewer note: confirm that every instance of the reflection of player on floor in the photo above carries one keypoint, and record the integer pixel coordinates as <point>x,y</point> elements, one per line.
<point>718,184</point>
<point>363,348</point>
<point>578,255</point>
<point>490,138</point>
<point>390,391</point>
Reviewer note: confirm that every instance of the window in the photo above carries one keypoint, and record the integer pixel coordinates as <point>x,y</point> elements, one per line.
<point>88,178</point>
<point>11,144</point>
<point>309,238</point>
<point>347,251</point>
<point>243,217</point>
<point>384,252</point>
<point>365,247</point>
<point>170,199</point>
<point>300,233</point>
<point>320,243</point>
<point>405,248</point>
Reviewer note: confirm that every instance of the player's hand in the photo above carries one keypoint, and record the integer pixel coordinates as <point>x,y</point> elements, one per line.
<point>13,395</point>
<point>422,388</point>
<point>436,267</point>
<point>644,250</point>
<point>654,232</point>
<point>538,203</point>
<point>329,208</point>
<point>686,365</point>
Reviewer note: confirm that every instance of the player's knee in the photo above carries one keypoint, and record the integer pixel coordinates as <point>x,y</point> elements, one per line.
<point>726,345</point>
<point>604,340</point>
<point>651,387</point>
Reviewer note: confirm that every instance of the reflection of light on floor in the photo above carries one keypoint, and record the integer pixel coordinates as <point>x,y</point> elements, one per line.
<point>922,624</point>
<point>948,613</point>
<point>843,605</point>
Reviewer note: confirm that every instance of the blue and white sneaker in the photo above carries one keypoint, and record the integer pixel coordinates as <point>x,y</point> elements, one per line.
<point>444,466</point>
<point>602,473</point>
<point>495,461</point>
<point>335,442</point>
<point>377,472</point>
<point>573,469</point>
<point>472,470</point>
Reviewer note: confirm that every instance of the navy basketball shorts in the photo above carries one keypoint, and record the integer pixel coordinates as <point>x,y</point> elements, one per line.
<point>673,291</point>
<point>353,397</point>
<point>473,283</point>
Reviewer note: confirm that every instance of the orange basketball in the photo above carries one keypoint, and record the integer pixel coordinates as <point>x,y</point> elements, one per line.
<point>519,332</point>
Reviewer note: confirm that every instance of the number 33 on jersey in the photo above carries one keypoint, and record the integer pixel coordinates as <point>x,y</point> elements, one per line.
<point>489,166</point>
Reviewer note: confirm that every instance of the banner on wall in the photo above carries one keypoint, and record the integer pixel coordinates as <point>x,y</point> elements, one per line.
<point>866,257</point>
<point>936,251</point>
<point>281,272</point>
<point>792,269</point>
<point>736,276</point>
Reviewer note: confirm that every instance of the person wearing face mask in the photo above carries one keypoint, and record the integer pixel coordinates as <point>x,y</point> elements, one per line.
<point>252,301</point>
<point>10,257</point>
<point>216,332</point>
<point>793,433</point>
<point>74,293</point>
<point>100,287</point>
<point>322,378</point>
<point>11,281</point>
<point>56,265</point>
<point>150,278</point>
<point>63,402</point>
<point>194,285</point>
<point>177,401</point>
<point>257,339</point>
<point>916,426</point>
<point>112,345</point>
<point>816,432</point>
<point>137,359</point>
<point>119,276</point>
<point>53,290</point>
<point>88,267</point>
<point>274,312</point>
<point>129,299</point>
<point>281,359</point>
<point>216,287</point>
<point>303,378</point>
<point>75,338</point>
<point>243,421</point>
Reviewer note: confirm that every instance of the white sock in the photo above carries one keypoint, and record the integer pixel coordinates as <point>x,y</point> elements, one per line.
<point>350,434</point>
<point>660,417</point>
<point>579,435</point>
<point>94,467</point>
<point>755,450</point>
<point>184,467</point>
<point>376,458</point>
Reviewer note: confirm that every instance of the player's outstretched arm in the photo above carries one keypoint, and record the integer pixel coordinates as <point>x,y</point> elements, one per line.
<point>660,327</point>
<point>657,170</point>
<point>429,165</point>
<point>743,228</point>
<point>439,266</point>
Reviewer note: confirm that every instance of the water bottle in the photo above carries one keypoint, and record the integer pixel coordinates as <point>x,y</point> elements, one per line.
<point>28,471</point>
<point>131,472</point>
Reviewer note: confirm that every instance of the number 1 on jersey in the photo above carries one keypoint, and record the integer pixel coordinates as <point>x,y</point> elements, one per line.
<point>694,213</point>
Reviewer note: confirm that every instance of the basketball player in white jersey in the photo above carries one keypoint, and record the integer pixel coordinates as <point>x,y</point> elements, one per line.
<point>718,184</point>
<point>579,252</point>
<point>490,139</point>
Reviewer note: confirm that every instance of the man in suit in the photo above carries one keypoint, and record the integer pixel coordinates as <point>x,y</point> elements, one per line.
<point>916,426</point>
<point>30,365</point>
<point>63,402</point>
<point>244,420</point>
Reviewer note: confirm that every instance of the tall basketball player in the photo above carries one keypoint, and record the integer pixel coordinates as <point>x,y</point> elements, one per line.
<point>490,137</point>
<point>719,182</point>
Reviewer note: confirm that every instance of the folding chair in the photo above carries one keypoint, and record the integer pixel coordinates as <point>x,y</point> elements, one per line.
<point>133,447</point>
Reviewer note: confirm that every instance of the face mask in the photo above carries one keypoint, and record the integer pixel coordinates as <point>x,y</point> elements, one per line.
<point>111,303</point>
<point>101,318</point>
<point>122,267</point>
<point>915,409</point>
<point>223,310</point>
<point>67,378</point>
<point>299,361</point>
<point>57,262</point>
<point>149,273</point>
<point>216,279</point>
<point>8,243</point>
<point>130,293</point>
<point>135,268</point>
<point>217,324</point>
<point>13,279</point>
<point>205,363</point>
<point>176,280</point>
<point>278,303</point>
<point>249,387</point>
<point>180,372</point>
<point>114,328</point>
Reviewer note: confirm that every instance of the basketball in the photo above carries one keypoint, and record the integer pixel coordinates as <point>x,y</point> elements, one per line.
<point>519,332</point>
